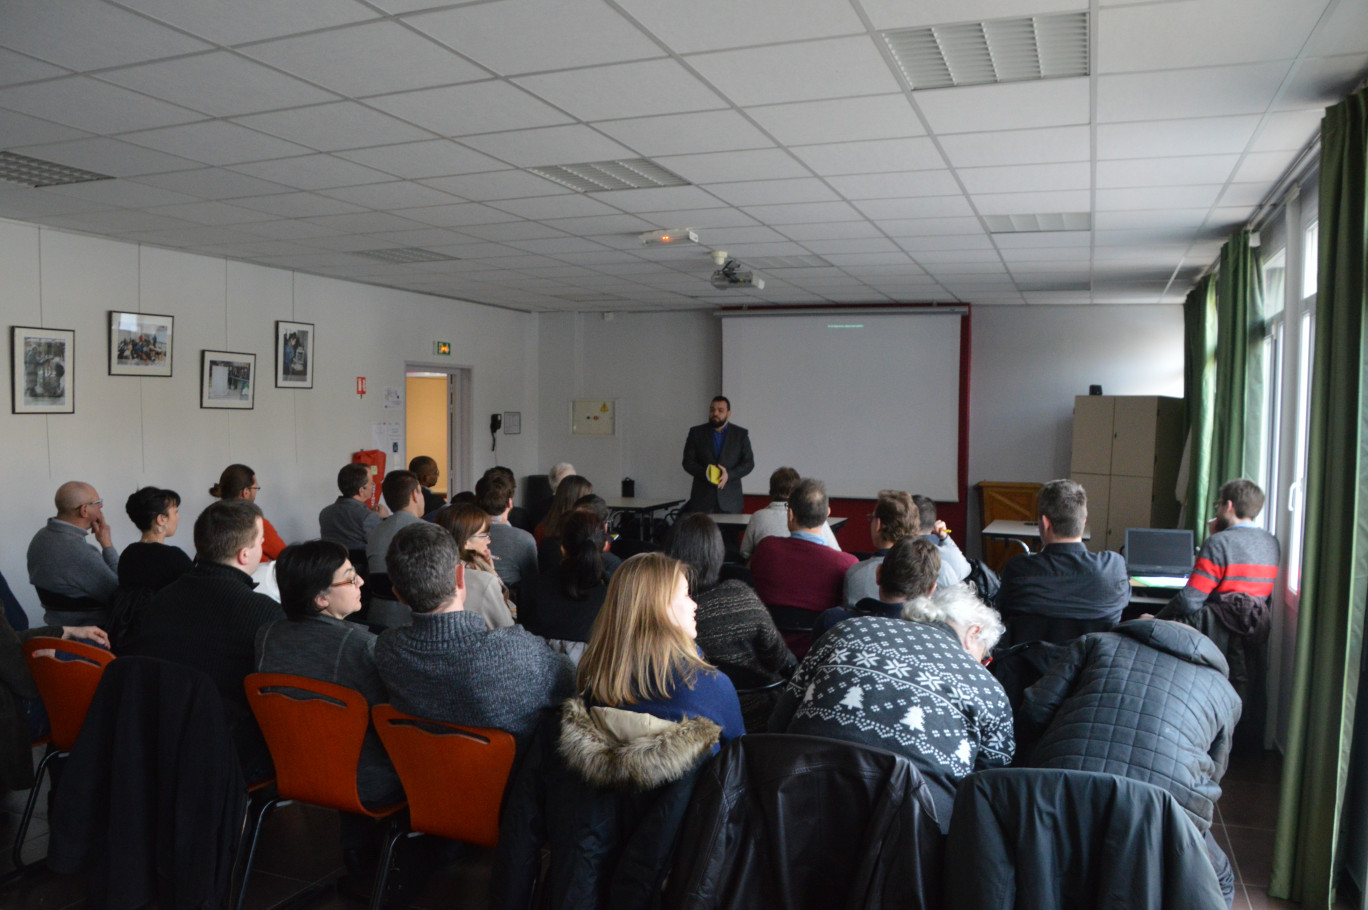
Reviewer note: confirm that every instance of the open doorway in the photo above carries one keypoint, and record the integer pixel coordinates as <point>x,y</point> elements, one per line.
<point>437,422</point>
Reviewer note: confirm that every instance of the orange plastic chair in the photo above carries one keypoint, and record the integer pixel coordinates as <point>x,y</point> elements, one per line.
<point>66,686</point>
<point>314,732</point>
<point>454,777</point>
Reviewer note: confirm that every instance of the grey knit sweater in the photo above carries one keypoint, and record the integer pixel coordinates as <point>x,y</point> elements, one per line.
<point>449,666</point>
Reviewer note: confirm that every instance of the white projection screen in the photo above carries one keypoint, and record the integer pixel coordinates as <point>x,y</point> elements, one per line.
<point>863,402</point>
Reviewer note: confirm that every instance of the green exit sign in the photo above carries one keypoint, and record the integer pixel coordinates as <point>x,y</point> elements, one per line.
<point>442,347</point>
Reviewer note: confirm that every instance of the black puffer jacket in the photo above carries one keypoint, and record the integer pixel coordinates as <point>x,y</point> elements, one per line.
<point>1148,700</point>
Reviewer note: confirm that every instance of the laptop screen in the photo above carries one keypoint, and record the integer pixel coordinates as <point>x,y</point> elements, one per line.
<point>1153,551</point>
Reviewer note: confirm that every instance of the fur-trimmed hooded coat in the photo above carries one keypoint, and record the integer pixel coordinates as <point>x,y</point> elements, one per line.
<point>607,790</point>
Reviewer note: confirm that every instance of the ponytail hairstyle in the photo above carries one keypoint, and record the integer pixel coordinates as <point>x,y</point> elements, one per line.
<point>234,479</point>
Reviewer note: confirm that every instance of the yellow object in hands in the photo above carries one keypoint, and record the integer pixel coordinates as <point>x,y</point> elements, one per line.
<point>714,474</point>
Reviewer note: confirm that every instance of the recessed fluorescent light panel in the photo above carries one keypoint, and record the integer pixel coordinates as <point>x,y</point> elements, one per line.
<point>1032,224</point>
<point>35,172</point>
<point>406,254</point>
<point>598,176</point>
<point>1053,46</point>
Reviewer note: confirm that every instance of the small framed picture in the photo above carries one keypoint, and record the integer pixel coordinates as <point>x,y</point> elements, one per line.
<point>139,344</point>
<point>42,370</point>
<point>227,380</point>
<point>294,355</point>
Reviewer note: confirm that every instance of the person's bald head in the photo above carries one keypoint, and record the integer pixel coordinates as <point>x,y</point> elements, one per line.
<point>77,502</point>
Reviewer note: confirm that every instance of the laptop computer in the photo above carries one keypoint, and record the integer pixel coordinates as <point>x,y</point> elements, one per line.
<point>1159,557</point>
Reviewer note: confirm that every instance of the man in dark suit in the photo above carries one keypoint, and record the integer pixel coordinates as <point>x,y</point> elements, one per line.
<point>719,443</point>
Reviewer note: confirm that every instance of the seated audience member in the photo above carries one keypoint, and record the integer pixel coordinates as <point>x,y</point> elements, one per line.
<point>605,785</point>
<point>404,496</point>
<point>349,521</point>
<point>424,467</point>
<point>1149,701</point>
<point>800,571</point>
<point>1238,558</point>
<point>518,517</point>
<point>151,562</point>
<point>894,517</point>
<point>240,482</point>
<point>568,492</point>
<point>548,551</point>
<point>514,550</point>
<point>485,594</point>
<point>562,601</point>
<point>735,632</point>
<point>954,568</point>
<point>772,520</point>
<point>907,572</point>
<point>319,589</point>
<point>448,665</point>
<point>915,686</point>
<point>1064,590</point>
<point>559,471</point>
<point>74,581</point>
<point>209,617</point>
<point>539,503</point>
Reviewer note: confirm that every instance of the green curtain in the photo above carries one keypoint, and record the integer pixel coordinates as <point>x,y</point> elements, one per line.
<point>1199,383</point>
<point>1239,321</point>
<point>1325,677</point>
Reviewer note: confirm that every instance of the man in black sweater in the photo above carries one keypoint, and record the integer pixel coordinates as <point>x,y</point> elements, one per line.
<point>208,618</point>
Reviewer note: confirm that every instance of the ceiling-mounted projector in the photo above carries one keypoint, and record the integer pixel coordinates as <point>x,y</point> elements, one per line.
<point>731,275</point>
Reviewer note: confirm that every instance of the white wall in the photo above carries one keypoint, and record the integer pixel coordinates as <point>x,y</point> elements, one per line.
<point>132,431</point>
<point>663,369</point>
<point>1029,362</point>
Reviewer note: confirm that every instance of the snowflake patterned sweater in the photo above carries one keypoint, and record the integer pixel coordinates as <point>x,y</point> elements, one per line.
<point>909,687</point>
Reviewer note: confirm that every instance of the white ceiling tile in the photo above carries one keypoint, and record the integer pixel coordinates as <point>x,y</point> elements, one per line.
<point>122,193</point>
<point>1140,172</point>
<point>330,127</point>
<point>86,34</point>
<point>420,160</point>
<point>834,68</point>
<point>915,207</point>
<point>365,222</point>
<point>772,192</point>
<point>1076,175</point>
<point>843,120</point>
<point>1263,167</point>
<point>712,24</point>
<point>400,194</point>
<point>107,156</point>
<point>213,183</point>
<point>1342,32</point>
<point>550,145</point>
<point>1243,195</point>
<point>297,205</point>
<point>1160,138</point>
<point>624,90</point>
<point>1033,203</point>
<point>16,68</point>
<point>219,84</point>
<point>1200,33</point>
<point>683,134</point>
<point>1205,92</point>
<point>1287,131</point>
<point>91,105</point>
<point>920,227</point>
<point>1157,197</point>
<point>20,130</point>
<point>1323,81</point>
<point>216,142</point>
<point>871,157</point>
<point>1009,106</point>
<point>210,213</point>
<point>886,186</point>
<point>251,20</point>
<point>601,224</point>
<point>313,172</point>
<point>115,222</point>
<point>1044,146</point>
<point>464,110</point>
<point>897,262</point>
<point>803,213</point>
<point>372,58</point>
<point>566,205</point>
<point>505,184</point>
<point>458,215</point>
<point>524,36</point>
<point>930,258</point>
<point>947,242</point>
<point>286,230</point>
<point>1028,243</point>
<point>702,218</point>
<point>556,246</point>
<point>665,198</point>
<point>734,239</point>
<point>881,245</point>
<point>829,230</point>
<point>722,167</point>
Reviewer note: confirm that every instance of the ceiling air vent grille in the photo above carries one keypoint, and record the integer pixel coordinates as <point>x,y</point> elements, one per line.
<point>598,176</point>
<point>406,254</point>
<point>35,172</point>
<point>1030,224</point>
<point>1051,46</point>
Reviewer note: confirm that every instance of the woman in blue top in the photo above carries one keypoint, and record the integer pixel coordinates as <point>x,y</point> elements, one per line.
<point>641,655</point>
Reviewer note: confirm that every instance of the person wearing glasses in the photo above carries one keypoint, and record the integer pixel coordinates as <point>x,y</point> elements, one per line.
<point>485,593</point>
<point>74,581</point>
<point>240,482</point>
<point>349,520</point>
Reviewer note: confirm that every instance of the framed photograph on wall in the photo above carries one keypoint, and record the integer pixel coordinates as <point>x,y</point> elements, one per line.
<point>227,380</point>
<point>294,355</point>
<point>43,380</point>
<point>139,344</point>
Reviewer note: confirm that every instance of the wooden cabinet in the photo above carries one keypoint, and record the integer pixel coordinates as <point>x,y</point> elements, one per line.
<point>1126,451</point>
<point>1009,501</point>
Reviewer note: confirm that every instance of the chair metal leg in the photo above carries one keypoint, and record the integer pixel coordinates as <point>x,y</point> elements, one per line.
<point>266,808</point>
<point>393,836</point>
<point>32,803</point>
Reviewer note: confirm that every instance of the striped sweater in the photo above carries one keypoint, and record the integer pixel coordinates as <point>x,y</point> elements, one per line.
<point>1243,558</point>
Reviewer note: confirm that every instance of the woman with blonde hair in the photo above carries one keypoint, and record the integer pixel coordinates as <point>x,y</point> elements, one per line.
<point>468,525</point>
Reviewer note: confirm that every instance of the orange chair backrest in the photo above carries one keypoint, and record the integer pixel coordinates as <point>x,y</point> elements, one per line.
<point>454,775</point>
<point>314,731</point>
<point>66,685</point>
